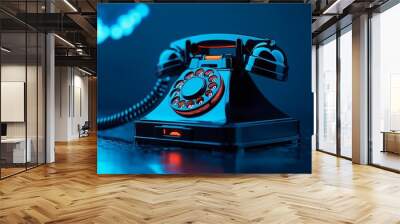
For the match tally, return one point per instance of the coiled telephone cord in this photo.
(139, 109)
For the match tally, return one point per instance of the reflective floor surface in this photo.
(123, 157)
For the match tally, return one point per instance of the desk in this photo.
(15, 148)
(391, 141)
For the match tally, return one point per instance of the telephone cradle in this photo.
(214, 101)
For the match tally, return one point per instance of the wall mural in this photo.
(204, 88)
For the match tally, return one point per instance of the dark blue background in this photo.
(127, 67)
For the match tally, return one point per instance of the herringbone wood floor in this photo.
(69, 191)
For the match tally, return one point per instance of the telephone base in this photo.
(228, 136)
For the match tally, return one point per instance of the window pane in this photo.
(346, 94)
(327, 96)
(385, 84)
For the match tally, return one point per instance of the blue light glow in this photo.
(116, 32)
(156, 168)
(124, 25)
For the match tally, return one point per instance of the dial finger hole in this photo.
(190, 104)
(212, 78)
(199, 100)
(175, 92)
(209, 93)
(189, 75)
(208, 73)
(175, 101)
(181, 104)
(179, 84)
(199, 71)
(212, 85)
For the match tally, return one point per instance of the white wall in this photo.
(71, 102)
(62, 82)
(80, 111)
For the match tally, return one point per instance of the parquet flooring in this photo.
(70, 191)
(10, 171)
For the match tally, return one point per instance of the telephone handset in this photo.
(214, 101)
(259, 56)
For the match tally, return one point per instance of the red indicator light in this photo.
(175, 158)
(171, 132)
(175, 134)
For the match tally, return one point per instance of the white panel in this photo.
(12, 101)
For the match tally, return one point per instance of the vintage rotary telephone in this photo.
(214, 101)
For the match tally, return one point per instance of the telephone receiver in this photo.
(214, 102)
(255, 55)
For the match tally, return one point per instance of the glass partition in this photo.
(14, 151)
(326, 136)
(385, 89)
(22, 63)
(334, 94)
(346, 92)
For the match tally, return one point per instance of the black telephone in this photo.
(214, 101)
